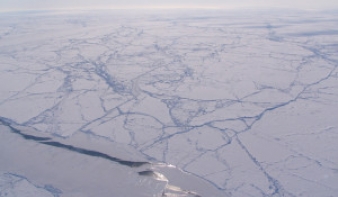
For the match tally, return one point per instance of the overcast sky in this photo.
(70, 4)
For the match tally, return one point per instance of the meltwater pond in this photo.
(169, 103)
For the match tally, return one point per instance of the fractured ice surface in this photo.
(194, 103)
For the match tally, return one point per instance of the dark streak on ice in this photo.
(44, 140)
(95, 154)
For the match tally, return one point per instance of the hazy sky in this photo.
(70, 4)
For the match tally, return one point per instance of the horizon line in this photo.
(164, 8)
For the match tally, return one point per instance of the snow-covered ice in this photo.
(169, 103)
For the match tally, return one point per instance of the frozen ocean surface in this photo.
(162, 103)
